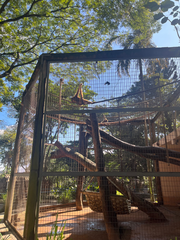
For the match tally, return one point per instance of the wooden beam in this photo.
(151, 210)
(156, 167)
(140, 150)
(136, 120)
(110, 217)
(80, 180)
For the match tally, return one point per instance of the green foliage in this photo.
(166, 11)
(93, 186)
(5, 238)
(7, 140)
(65, 196)
(4, 196)
(63, 190)
(57, 232)
(29, 28)
(118, 193)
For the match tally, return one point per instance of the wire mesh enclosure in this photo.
(97, 148)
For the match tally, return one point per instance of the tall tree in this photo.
(31, 27)
(6, 146)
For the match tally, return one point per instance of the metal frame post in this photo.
(31, 218)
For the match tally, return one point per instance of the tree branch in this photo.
(27, 15)
(8, 72)
(4, 5)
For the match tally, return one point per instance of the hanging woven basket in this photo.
(120, 204)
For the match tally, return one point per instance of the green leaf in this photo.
(175, 15)
(175, 21)
(164, 9)
(167, 4)
(164, 20)
(153, 6)
(175, 8)
(158, 16)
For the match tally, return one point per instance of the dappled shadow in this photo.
(89, 225)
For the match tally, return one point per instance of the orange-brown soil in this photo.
(89, 225)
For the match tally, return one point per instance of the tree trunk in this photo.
(110, 217)
(148, 163)
(142, 204)
(156, 166)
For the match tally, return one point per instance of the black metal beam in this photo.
(145, 53)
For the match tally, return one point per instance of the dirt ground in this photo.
(89, 225)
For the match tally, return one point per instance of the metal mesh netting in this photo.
(105, 84)
(136, 105)
(19, 203)
(111, 88)
(27, 131)
(58, 206)
(24, 159)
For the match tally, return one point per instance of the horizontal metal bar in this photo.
(26, 174)
(110, 110)
(145, 53)
(112, 174)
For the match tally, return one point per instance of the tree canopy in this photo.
(31, 27)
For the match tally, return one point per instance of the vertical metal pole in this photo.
(167, 152)
(120, 150)
(59, 116)
(145, 131)
(175, 129)
(42, 151)
(11, 186)
(36, 159)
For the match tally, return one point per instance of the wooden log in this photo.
(110, 217)
(156, 167)
(151, 210)
(80, 180)
(140, 150)
(136, 121)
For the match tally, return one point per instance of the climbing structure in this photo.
(87, 125)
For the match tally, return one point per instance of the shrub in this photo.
(65, 196)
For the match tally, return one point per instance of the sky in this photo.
(167, 37)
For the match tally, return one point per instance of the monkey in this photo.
(104, 119)
(80, 100)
